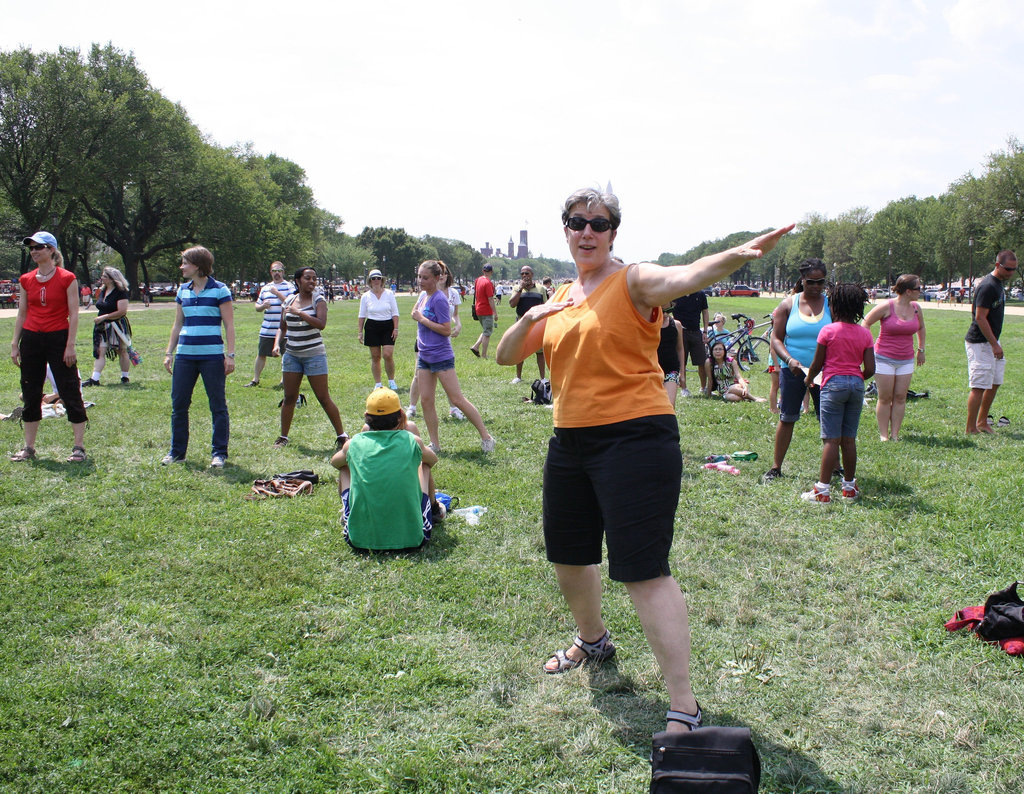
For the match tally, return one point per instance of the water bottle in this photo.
(722, 466)
(744, 455)
(471, 514)
(717, 458)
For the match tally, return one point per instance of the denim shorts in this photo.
(791, 395)
(436, 366)
(314, 365)
(842, 400)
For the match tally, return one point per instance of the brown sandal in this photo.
(77, 455)
(28, 453)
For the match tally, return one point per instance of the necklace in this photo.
(41, 277)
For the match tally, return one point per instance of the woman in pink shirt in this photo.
(900, 318)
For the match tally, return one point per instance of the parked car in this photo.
(741, 291)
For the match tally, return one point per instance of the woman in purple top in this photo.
(436, 361)
(900, 318)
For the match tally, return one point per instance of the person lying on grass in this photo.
(386, 488)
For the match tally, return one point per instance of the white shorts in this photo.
(893, 366)
(983, 369)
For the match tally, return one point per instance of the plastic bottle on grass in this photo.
(471, 514)
(744, 455)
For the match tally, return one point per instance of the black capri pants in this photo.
(619, 482)
(37, 350)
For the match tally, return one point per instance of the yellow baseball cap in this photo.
(382, 402)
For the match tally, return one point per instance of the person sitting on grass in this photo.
(726, 379)
(845, 356)
(385, 483)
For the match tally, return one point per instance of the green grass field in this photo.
(159, 633)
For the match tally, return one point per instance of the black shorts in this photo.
(378, 333)
(619, 482)
(694, 347)
(266, 346)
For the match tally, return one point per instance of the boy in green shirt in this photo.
(385, 482)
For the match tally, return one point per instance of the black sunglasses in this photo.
(818, 281)
(37, 247)
(578, 224)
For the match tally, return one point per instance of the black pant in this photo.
(37, 350)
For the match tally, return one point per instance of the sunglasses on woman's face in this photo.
(37, 247)
(816, 281)
(578, 224)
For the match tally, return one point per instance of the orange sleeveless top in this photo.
(603, 357)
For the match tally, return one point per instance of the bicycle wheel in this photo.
(752, 351)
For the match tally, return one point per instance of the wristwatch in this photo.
(229, 355)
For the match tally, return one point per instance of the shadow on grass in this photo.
(782, 768)
(946, 442)
(70, 471)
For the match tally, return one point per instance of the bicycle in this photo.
(743, 345)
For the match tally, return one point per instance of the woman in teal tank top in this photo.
(797, 321)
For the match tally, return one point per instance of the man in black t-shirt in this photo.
(689, 310)
(985, 361)
(527, 294)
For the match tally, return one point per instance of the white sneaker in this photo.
(487, 445)
(516, 380)
(410, 412)
(684, 393)
(455, 413)
(217, 462)
(434, 448)
(392, 385)
(817, 496)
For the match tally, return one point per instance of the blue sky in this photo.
(471, 119)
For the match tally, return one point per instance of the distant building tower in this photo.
(511, 249)
(487, 250)
(524, 249)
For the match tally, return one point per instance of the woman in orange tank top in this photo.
(613, 468)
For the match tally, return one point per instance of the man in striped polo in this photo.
(269, 301)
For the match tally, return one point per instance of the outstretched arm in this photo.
(652, 285)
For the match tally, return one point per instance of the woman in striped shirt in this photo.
(303, 317)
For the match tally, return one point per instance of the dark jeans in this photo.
(37, 350)
(183, 382)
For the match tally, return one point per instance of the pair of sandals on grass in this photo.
(600, 651)
(29, 453)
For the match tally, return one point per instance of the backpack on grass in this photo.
(541, 392)
(713, 759)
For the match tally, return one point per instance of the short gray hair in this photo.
(592, 199)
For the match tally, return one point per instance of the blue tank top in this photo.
(802, 331)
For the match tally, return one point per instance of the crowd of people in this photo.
(649, 320)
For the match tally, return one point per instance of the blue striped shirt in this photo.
(200, 335)
(272, 315)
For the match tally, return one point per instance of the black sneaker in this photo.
(90, 382)
(772, 474)
(339, 442)
(124, 380)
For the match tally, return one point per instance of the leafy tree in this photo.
(395, 252)
(43, 145)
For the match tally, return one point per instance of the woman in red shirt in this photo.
(44, 333)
